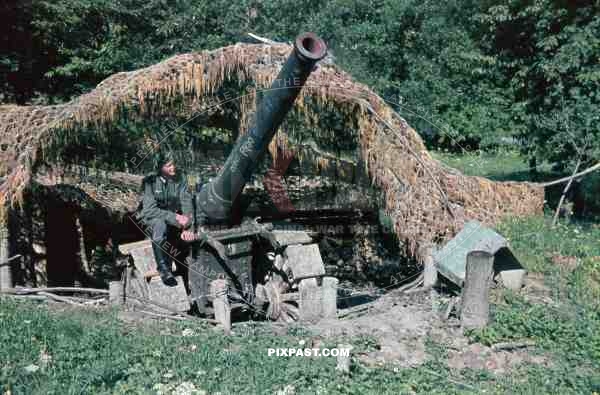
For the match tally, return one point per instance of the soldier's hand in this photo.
(187, 235)
(182, 220)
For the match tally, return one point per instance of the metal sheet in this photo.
(452, 258)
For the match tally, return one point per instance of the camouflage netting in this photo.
(426, 200)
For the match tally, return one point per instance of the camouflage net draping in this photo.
(426, 200)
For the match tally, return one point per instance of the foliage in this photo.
(569, 333)
(465, 74)
(548, 53)
(93, 352)
(536, 241)
(567, 325)
(500, 164)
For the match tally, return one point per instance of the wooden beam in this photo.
(430, 275)
(475, 305)
(5, 270)
(344, 361)
(219, 292)
(116, 292)
(329, 295)
(262, 39)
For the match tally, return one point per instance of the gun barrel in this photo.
(215, 199)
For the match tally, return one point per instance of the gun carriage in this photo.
(252, 267)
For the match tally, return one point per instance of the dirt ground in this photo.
(403, 323)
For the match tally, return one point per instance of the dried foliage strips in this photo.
(427, 201)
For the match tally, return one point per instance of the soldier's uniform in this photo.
(162, 199)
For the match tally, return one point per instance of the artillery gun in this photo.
(251, 267)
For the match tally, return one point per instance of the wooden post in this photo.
(310, 300)
(116, 293)
(219, 292)
(343, 361)
(5, 264)
(564, 193)
(475, 305)
(430, 276)
(329, 295)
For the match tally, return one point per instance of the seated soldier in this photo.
(166, 207)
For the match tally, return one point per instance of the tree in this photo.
(548, 54)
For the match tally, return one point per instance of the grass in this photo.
(96, 352)
(568, 256)
(537, 241)
(568, 328)
(500, 165)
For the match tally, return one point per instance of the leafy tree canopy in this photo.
(465, 73)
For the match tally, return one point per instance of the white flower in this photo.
(287, 390)
(31, 368)
(45, 358)
(186, 388)
(187, 332)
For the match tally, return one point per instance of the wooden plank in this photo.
(430, 274)
(125, 249)
(286, 238)
(136, 287)
(344, 361)
(143, 256)
(451, 259)
(305, 261)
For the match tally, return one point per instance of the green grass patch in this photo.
(568, 328)
(569, 334)
(94, 352)
(536, 241)
(498, 165)
(568, 255)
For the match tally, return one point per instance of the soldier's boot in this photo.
(162, 265)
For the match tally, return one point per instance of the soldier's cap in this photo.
(163, 156)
